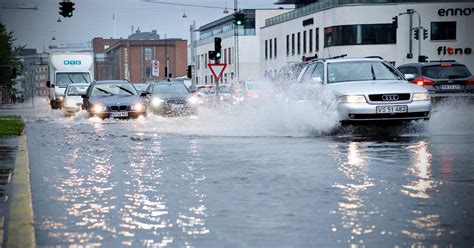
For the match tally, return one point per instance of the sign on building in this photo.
(156, 68)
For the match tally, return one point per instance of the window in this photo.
(271, 46)
(275, 44)
(205, 61)
(148, 53)
(299, 43)
(443, 30)
(359, 35)
(317, 40)
(314, 73)
(304, 41)
(408, 70)
(230, 57)
(288, 45)
(310, 36)
(266, 49)
(225, 55)
(292, 44)
(148, 71)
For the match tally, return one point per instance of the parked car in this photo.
(114, 99)
(73, 99)
(171, 98)
(368, 89)
(442, 79)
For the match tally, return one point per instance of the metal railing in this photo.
(326, 4)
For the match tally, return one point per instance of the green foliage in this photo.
(11, 125)
(8, 57)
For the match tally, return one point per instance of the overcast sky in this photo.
(94, 18)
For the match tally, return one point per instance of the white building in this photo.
(243, 40)
(362, 28)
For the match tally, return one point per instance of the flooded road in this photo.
(251, 180)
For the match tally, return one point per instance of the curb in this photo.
(21, 229)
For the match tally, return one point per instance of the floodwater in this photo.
(258, 177)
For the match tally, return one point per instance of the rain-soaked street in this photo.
(263, 177)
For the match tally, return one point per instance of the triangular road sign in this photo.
(217, 70)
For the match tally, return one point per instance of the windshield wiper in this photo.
(372, 70)
(125, 89)
(106, 92)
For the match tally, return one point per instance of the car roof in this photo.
(110, 81)
(78, 84)
(168, 82)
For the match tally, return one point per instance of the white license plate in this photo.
(118, 114)
(450, 86)
(391, 109)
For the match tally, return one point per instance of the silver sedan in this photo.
(368, 89)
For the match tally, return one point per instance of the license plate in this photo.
(118, 114)
(391, 109)
(450, 86)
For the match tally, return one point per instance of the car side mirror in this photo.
(48, 84)
(143, 93)
(84, 96)
(409, 76)
(317, 80)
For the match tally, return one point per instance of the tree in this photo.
(8, 58)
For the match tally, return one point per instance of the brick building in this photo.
(131, 59)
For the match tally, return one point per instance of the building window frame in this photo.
(448, 32)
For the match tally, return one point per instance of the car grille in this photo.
(389, 116)
(389, 97)
(119, 108)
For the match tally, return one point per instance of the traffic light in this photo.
(422, 58)
(189, 72)
(239, 18)
(66, 9)
(217, 48)
(416, 34)
(395, 22)
(425, 34)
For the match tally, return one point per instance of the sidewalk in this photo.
(16, 212)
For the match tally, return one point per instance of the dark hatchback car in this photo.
(171, 98)
(442, 79)
(114, 99)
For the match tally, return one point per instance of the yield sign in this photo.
(217, 70)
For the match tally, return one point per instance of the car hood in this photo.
(116, 100)
(74, 99)
(374, 87)
(170, 96)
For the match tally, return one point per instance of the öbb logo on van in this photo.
(72, 62)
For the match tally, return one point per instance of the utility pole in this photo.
(192, 30)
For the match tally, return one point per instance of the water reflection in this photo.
(422, 224)
(352, 207)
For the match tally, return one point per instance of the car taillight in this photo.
(470, 81)
(422, 81)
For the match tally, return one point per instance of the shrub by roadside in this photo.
(11, 125)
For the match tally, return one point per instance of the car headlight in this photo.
(352, 99)
(60, 98)
(69, 103)
(98, 108)
(138, 107)
(193, 100)
(421, 96)
(157, 101)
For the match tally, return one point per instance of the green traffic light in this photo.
(239, 22)
(218, 55)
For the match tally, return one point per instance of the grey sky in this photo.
(93, 18)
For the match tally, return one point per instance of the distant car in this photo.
(257, 90)
(441, 79)
(171, 98)
(368, 89)
(73, 99)
(114, 99)
(205, 94)
(225, 94)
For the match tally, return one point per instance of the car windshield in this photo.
(76, 90)
(360, 71)
(110, 89)
(170, 88)
(64, 79)
(446, 71)
(141, 87)
(224, 89)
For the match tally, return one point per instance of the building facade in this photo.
(132, 60)
(240, 47)
(35, 74)
(361, 28)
